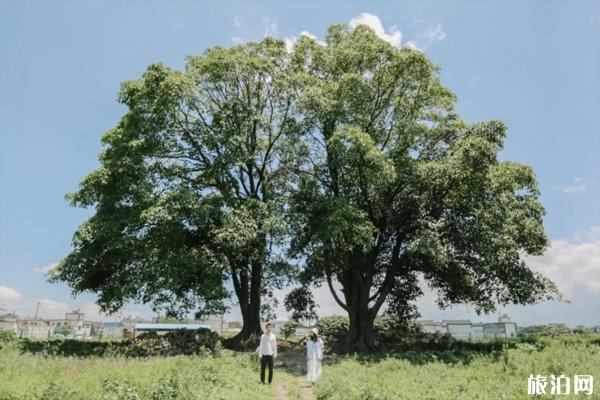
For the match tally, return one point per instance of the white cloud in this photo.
(392, 36)
(572, 262)
(290, 41)
(47, 268)
(427, 38)
(9, 294)
(578, 186)
(595, 18)
(52, 309)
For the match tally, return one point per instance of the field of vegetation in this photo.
(433, 370)
(118, 378)
(463, 373)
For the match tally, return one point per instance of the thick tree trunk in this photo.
(248, 294)
(361, 337)
(356, 288)
(251, 326)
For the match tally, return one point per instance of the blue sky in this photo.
(534, 65)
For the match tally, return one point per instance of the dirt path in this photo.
(290, 378)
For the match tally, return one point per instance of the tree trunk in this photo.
(251, 327)
(361, 337)
(248, 294)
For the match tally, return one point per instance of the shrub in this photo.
(386, 326)
(179, 342)
(289, 328)
(335, 327)
(8, 339)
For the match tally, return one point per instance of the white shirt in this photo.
(268, 345)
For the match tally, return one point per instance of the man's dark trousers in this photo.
(264, 361)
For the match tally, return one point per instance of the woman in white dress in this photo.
(314, 355)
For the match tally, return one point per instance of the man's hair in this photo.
(269, 324)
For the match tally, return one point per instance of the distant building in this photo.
(34, 328)
(503, 328)
(129, 325)
(9, 322)
(477, 331)
(464, 329)
(216, 322)
(430, 326)
(504, 318)
(74, 316)
(56, 324)
(80, 329)
(427, 325)
(161, 329)
(111, 329)
(459, 329)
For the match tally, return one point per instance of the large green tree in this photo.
(190, 192)
(396, 187)
(355, 141)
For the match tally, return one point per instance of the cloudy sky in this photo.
(534, 65)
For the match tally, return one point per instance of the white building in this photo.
(464, 329)
(80, 329)
(459, 329)
(477, 331)
(111, 329)
(34, 328)
(503, 328)
(56, 324)
(9, 322)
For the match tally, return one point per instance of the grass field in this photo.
(411, 374)
(464, 375)
(26, 376)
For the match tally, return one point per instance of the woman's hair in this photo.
(313, 336)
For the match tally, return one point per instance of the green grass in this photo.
(497, 375)
(463, 371)
(27, 376)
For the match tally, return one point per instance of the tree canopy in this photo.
(398, 187)
(341, 163)
(189, 194)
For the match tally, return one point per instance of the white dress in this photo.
(314, 353)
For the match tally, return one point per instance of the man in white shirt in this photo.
(267, 351)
